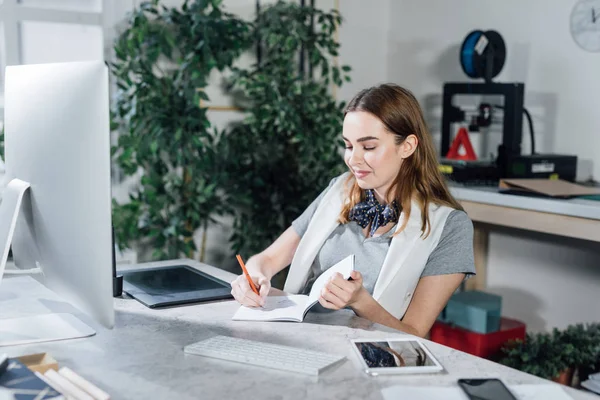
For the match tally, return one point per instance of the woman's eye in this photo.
(369, 148)
(348, 147)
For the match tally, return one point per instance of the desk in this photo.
(575, 218)
(142, 357)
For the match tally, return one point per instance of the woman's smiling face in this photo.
(372, 153)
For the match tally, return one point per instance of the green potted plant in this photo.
(288, 147)
(585, 338)
(571, 354)
(540, 354)
(557, 355)
(163, 59)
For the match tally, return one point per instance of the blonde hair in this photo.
(419, 176)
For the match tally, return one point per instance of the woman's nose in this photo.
(356, 158)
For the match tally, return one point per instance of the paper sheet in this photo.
(344, 267)
(276, 308)
(592, 385)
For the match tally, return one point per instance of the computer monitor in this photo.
(57, 141)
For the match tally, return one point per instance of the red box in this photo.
(485, 345)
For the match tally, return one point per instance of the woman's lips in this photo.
(361, 174)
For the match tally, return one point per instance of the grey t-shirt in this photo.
(453, 253)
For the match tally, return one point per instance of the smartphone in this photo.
(485, 389)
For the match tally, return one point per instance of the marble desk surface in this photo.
(142, 356)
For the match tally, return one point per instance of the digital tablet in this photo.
(395, 356)
(173, 285)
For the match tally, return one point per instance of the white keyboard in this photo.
(264, 354)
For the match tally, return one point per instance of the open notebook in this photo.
(294, 307)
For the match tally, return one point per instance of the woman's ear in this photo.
(408, 147)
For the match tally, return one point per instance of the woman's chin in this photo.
(364, 185)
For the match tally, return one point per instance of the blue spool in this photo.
(467, 52)
(485, 62)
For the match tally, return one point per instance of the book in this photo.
(25, 384)
(294, 308)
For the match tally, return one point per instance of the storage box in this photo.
(473, 310)
(478, 344)
(40, 362)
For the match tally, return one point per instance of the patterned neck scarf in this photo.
(371, 211)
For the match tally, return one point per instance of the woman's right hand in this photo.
(263, 266)
(243, 293)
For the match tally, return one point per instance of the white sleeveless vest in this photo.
(404, 261)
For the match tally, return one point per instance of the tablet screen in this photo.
(172, 280)
(394, 354)
(173, 285)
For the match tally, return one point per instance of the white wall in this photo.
(45, 42)
(546, 281)
(364, 37)
(78, 5)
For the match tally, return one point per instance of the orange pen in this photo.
(254, 289)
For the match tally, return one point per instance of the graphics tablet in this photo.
(173, 285)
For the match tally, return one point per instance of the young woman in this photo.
(413, 243)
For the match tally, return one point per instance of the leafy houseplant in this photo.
(287, 148)
(162, 61)
(557, 355)
(538, 355)
(586, 341)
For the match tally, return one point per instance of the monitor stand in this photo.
(36, 328)
(12, 198)
(42, 328)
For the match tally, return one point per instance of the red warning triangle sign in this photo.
(462, 138)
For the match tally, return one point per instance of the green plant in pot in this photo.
(539, 354)
(557, 355)
(585, 338)
(571, 354)
(593, 331)
(288, 147)
(162, 62)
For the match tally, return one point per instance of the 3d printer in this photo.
(482, 55)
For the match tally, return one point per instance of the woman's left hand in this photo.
(340, 293)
